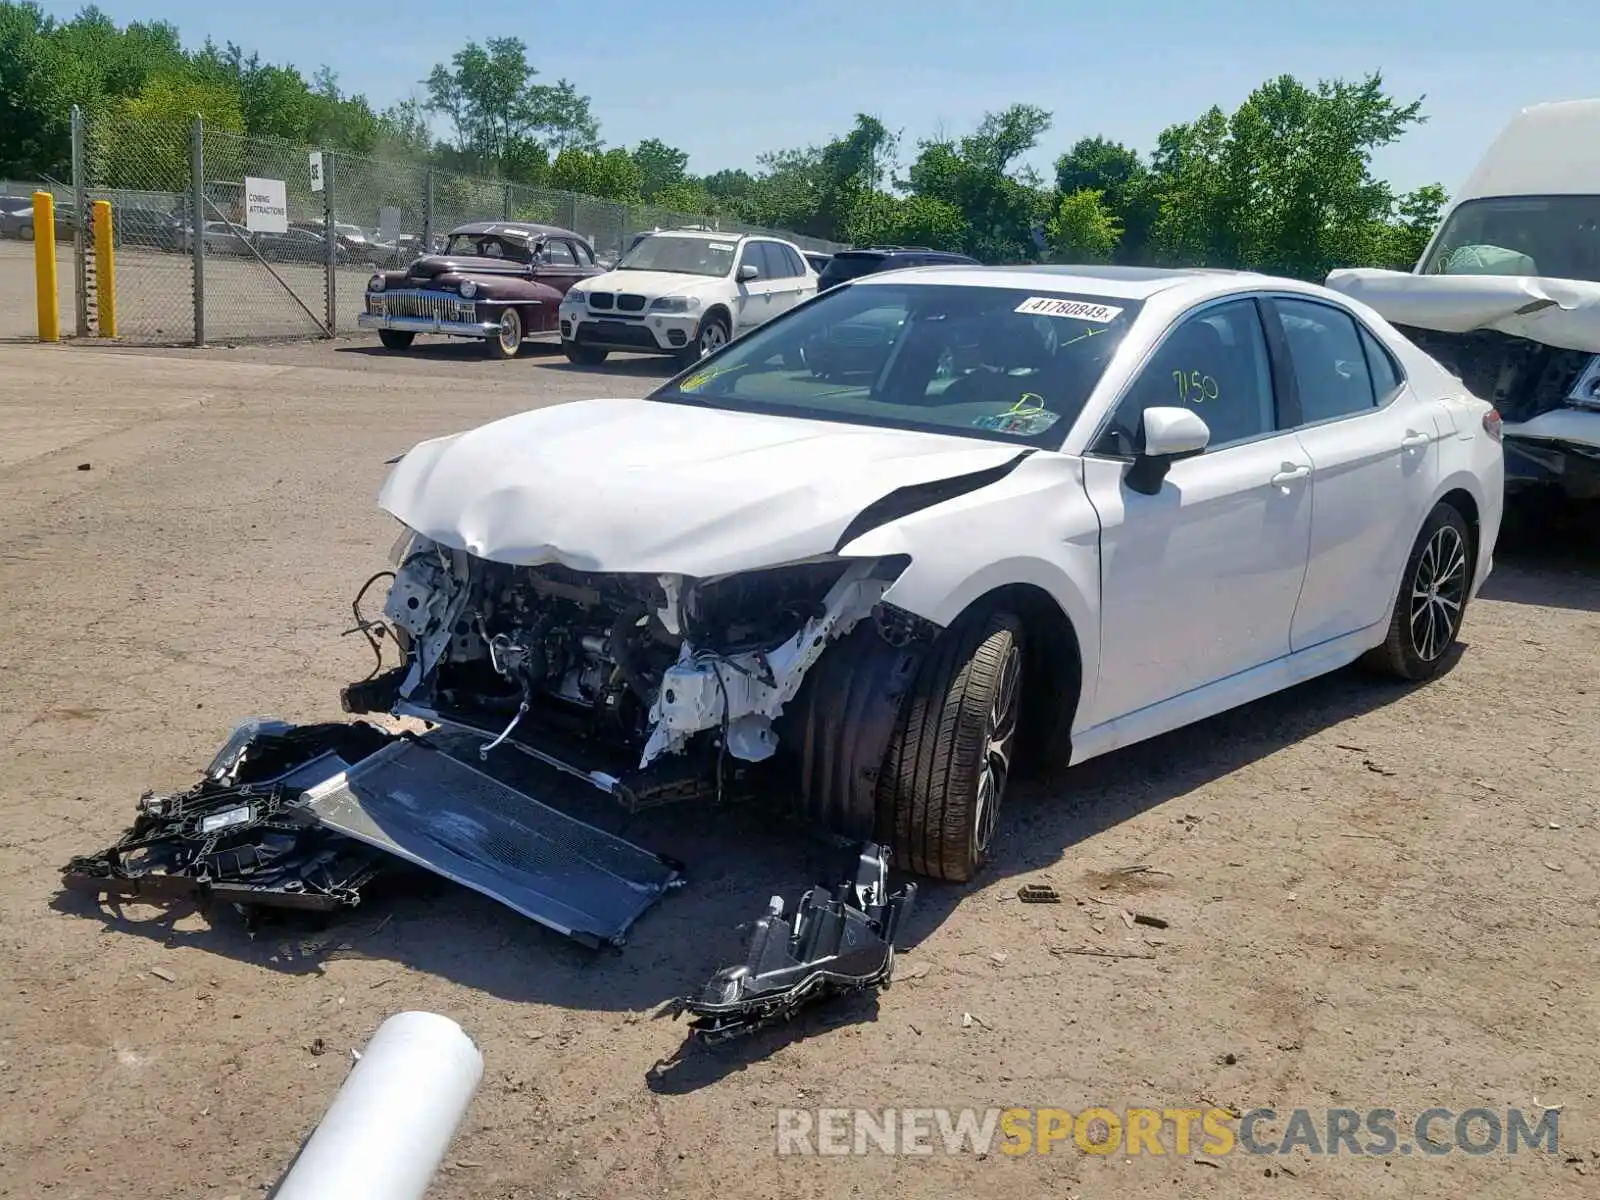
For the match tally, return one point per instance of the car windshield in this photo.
(1005, 364)
(1555, 236)
(681, 255)
(487, 245)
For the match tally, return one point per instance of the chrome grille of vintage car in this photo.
(437, 305)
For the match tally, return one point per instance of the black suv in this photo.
(848, 264)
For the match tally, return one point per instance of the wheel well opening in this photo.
(1052, 678)
(1461, 500)
(721, 311)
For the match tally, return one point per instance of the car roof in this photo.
(526, 230)
(1129, 283)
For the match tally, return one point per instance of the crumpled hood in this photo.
(1557, 312)
(655, 487)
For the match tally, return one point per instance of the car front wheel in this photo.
(507, 340)
(1432, 599)
(712, 336)
(950, 755)
(396, 339)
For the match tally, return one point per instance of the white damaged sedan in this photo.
(1028, 516)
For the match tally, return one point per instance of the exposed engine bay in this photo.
(632, 671)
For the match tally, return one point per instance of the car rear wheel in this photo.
(1432, 599)
(950, 755)
(507, 340)
(584, 356)
(25, 232)
(396, 339)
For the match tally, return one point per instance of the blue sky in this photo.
(727, 79)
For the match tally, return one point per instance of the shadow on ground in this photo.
(1549, 554)
(542, 355)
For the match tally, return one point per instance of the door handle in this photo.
(1414, 440)
(1291, 473)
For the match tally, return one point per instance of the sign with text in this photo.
(266, 205)
(389, 223)
(315, 161)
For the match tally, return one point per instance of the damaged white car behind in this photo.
(1033, 515)
(1507, 295)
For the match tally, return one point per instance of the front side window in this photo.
(681, 255)
(1555, 236)
(999, 363)
(559, 254)
(1330, 365)
(1214, 363)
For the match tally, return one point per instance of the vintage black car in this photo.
(501, 281)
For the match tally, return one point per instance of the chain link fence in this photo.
(196, 265)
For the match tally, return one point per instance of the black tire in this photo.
(507, 341)
(396, 339)
(1432, 599)
(950, 755)
(25, 232)
(584, 356)
(712, 335)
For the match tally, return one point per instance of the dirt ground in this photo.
(1377, 897)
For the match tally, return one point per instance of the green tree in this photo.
(1417, 217)
(607, 174)
(145, 149)
(979, 176)
(660, 166)
(1083, 229)
(495, 108)
(1121, 177)
(1285, 183)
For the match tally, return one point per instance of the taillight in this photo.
(1492, 423)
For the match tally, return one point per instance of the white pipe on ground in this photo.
(387, 1130)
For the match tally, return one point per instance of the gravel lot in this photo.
(1376, 896)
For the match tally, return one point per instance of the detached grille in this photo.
(628, 303)
(600, 299)
(425, 304)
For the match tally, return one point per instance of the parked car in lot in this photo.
(298, 244)
(852, 264)
(1151, 496)
(495, 280)
(1507, 295)
(686, 293)
(18, 222)
(818, 261)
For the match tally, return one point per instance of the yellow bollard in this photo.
(105, 270)
(44, 266)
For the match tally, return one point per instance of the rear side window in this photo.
(797, 265)
(1330, 363)
(1386, 376)
(585, 258)
(851, 266)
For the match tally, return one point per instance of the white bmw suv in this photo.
(684, 293)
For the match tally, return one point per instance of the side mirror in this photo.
(748, 272)
(1170, 434)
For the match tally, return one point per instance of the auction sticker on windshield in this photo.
(1081, 310)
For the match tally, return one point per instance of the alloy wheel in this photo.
(712, 338)
(1438, 592)
(999, 733)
